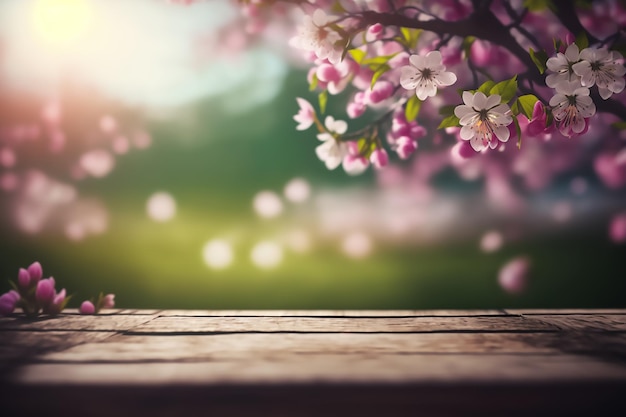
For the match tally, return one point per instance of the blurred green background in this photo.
(213, 162)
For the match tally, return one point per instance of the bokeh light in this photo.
(267, 204)
(357, 245)
(218, 254)
(297, 190)
(161, 207)
(266, 255)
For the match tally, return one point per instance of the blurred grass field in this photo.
(213, 163)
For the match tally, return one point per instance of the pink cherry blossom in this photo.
(425, 75)
(305, 116)
(483, 118)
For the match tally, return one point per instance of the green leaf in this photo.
(486, 87)
(412, 108)
(526, 105)
(539, 58)
(12, 284)
(450, 121)
(380, 71)
(323, 100)
(506, 89)
(410, 36)
(518, 130)
(375, 62)
(366, 146)
(581, 41)
(619, 125)
(314, 82)
(357, 55)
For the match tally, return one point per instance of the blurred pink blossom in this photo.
(513, 276)
(617, 228)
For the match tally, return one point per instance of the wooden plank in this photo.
(586, 322)
(332, 368)
(123, 348)
(26, 345)
(173, 324)
(565, 311)
(330, 313)
(100, 322)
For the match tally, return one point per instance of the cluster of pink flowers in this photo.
(37, 295)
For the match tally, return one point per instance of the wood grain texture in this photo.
(124, 348)
(102, 322)
(193, 324)
(331, 313)
(586, 322)
(332, 368)
(309, 363)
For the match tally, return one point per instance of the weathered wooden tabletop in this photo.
(293, 363)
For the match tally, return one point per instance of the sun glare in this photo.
(61, 22)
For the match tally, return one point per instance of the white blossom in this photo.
(602, 68)
(562, 66)
(571, 105)
(314, 35)
(481, 118)
(425, 74)
(332, 151)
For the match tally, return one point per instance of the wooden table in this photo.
(302, 363)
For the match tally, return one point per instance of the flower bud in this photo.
(23, 278)
(379, 158)
(45, 291)
(87, 307)
(108, 301)
(405, 147)
(35, 271)
(8, 301)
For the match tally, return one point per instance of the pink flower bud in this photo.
(355, 164)
(381, 91)
(108, 301)
(328, 73)
(87, 307)
(35, 271)
(379, 158)
(355, 110)
(45, 291)
(463, 150)
(8, 302)
(405, 146)
(23, 278)
(375, 32)
(56, 306)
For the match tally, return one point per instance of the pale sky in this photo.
(139, 51)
